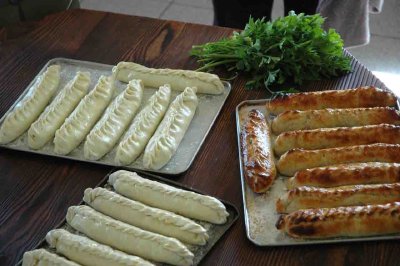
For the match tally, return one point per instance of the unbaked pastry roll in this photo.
(299, 159)
(41, 257)
(169, 198)
(81, 120)
(367, 96)
(346, 174)
(178, 79)
(169, 134)
(88, 252)
(31, 105)
(143, 127)
(44, 128)
(128, 238)
(314, 197)
(114, 122)
(328, 118)
(145, 217)
(342, 221)
(336, 137)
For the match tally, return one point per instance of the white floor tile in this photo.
(189, 14)
(387, 23)
(146, 8)
(381, 54)
(196, 3)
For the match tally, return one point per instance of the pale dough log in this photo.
(32, 104)
(342, 221)
(44, 128)
(81, 120)
(298, 159)
(88, 252)
(367, 96)
(166, 197)
(178, 79)
(108, 130)
(169, 134)
(328, 118)
(143, 127)
(41, 257)
(145, 217)
(346, 174)
(314, 197)
(336, 137)
(128, 238)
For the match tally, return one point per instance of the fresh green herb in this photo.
(294, 48)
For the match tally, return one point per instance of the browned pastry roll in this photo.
(258, 162)
(314, 197)
(336, 137)
(346, 174)
(342, 221)
(328, 118)
(299, 159)
(351, 98)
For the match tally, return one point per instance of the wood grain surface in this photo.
(35, 191)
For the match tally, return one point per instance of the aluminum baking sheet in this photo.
(206, 113)
(215, 231)
(260, 215)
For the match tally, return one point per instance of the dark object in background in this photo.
(235, 13)
(12, 11)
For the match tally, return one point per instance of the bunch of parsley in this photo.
(294, 48)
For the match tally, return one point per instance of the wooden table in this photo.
(35, 190)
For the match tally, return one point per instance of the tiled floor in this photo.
(382, 55)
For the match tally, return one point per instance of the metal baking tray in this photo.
(215, 231)
(260, 215)
(206, 113)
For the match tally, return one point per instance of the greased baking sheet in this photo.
(260, 214)
(206, 113)
(214, 231)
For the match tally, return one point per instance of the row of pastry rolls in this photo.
(75, 116)
(344, 163)
(141, 219)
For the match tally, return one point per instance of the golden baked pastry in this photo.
(346, 174)
(342, 221)
(367, 96)
(299, 159)
(258, 162)
(336, 137)
(314, 197)
(328, 118)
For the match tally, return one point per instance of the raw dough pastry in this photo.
(368, 96)
(30, 107)
(328, 118)
(166, 197)
(41, 257)
(258, 160)
(128, 238)
(169, 134)
(143, 127)
(148, 218)
(44, 128)
(346, 174)
(85, 115)
(114, 122)
(299, 159)
(178, 79)
(342, 221)
(336, 137)
(88, 252)
(314, 197)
